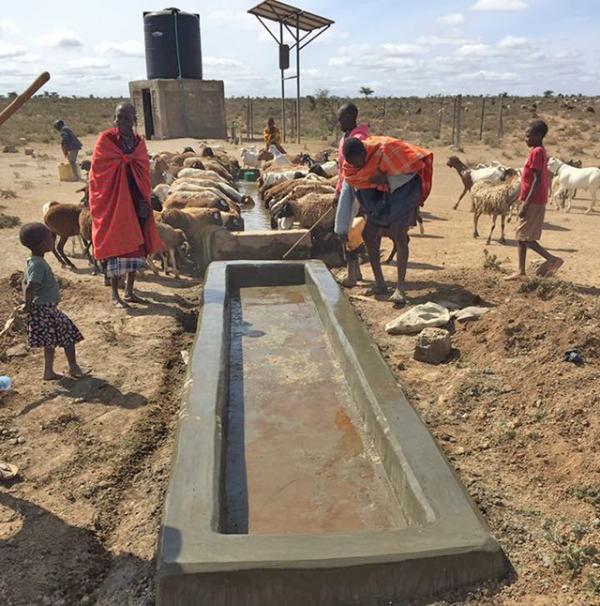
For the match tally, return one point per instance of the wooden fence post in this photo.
(482, 119)
(385, 115)
(454, 122)
(248, 119)
(500, 133)
(441, 114)
(458, 119)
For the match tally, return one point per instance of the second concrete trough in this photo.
(302, 476)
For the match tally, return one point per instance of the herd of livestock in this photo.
(195, 193)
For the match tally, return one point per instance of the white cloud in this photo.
(500, 5)
(489, 75)
(330, 35)
(89, 63)
(403, 50)
(11, 50)
(433, 40)
(8, 27)
(221, 62)
(475, 50)
(516, 43)
(452, 19)
(61, 38)
(128, 48)
(231, 19)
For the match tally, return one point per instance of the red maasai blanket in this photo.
(391, 157)
(116, 230)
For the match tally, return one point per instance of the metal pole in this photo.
(482, 118)
(282, 87)
(297, 78)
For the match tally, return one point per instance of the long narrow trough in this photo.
(302, 476)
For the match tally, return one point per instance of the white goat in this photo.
(249, 157)
(470, 176)
(330, 168)
(571, 179)
(279, 159)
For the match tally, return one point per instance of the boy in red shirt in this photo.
(534, 196)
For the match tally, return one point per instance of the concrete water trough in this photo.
(302, 476)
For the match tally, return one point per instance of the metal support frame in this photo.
(301, 41)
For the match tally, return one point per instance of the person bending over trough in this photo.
(391, 179)
(123, 229)
(346, 203)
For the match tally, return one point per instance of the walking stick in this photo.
(296, 244)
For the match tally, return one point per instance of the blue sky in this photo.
(397, 48)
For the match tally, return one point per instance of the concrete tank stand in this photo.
(444, 543)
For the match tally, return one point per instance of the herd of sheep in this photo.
(195, 193)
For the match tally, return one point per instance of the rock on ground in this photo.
(433, 345)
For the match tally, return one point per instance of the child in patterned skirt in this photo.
(47, 327)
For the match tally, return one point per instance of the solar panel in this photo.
(273, 10)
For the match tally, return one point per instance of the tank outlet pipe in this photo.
(175, 11)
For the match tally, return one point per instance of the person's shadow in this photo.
(51, 560)
(90, 390)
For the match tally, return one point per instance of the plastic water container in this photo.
(65, 172)
(251, 176)
(5, 383)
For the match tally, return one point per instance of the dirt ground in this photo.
(518, 423)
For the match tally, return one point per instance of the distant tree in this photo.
(548, 94)
(12, 95)
(327, 108)
(312, 102)
(366, 91)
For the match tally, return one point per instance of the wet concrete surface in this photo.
(297, 460)
(257, 218)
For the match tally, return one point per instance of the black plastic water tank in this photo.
(163, 32)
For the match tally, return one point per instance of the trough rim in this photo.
(453, 525)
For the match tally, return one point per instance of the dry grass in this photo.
(8, 221)
(412, 118)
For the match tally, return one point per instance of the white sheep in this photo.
(330, 168)
(199, 173)
(571, 179)
(269, 179)
(198, 184)
(495, 199)
(161, 191)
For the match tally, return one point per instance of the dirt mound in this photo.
(519, 423)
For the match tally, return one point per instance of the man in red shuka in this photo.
(535, 184)
(123, 228)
